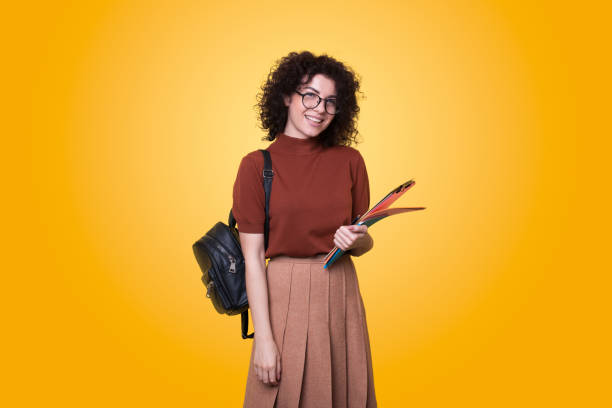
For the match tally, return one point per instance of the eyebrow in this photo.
(310, 87)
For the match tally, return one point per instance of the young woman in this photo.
(311, 346)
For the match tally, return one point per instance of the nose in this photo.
(320, 108)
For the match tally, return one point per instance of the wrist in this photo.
(263, 337)
(363, 246)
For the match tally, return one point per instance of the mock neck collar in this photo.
(284, 143)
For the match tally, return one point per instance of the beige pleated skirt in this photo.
(319, 325)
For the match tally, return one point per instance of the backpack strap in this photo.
(268, 175)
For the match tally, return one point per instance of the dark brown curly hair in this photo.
(284, 78)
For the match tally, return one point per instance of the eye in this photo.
(311, 99)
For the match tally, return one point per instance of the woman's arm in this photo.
(256, 283)
(353, 239)
(363, 245)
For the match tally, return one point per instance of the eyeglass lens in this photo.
(311, 101)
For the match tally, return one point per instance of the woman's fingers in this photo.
(278, 368)
(358, 229)
(343, 245)
(345, 238)
(271, 376)
(346, 234)
(341, 241)
(266, 377)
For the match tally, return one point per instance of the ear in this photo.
(287, 99)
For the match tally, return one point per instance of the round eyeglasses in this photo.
(311, 100)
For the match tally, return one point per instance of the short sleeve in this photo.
(360, 190)
(248, 205)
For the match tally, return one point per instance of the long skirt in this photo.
(319, 326)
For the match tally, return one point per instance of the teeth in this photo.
(314, 120)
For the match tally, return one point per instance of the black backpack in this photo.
(221, 260)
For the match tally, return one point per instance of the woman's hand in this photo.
(267, 361)
(351, 236)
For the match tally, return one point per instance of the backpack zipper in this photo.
(232, 260)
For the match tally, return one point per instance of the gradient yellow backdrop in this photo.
(124, 125)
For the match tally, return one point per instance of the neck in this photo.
(295, 145)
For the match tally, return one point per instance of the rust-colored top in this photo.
(315, 190)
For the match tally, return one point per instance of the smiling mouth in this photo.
(314, 120)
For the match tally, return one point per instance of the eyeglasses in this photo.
(311, 100)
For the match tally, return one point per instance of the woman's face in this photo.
(306, 122)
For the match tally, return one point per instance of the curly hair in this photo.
(285, 76)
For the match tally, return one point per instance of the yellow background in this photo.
(124, 123)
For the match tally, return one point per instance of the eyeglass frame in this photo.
(318, 103)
